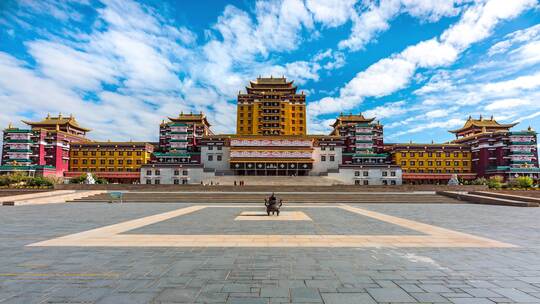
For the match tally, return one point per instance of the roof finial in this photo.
(71, 116)
(491, 117)
(481, 118)
(432, 141)
(470, 117)
(59, 115)
(530, 129)
(10, 126)
(48, 115)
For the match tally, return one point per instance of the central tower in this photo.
(271, 106)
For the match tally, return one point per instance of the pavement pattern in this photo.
(496, 259)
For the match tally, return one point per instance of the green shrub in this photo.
(479, 181)
(82, 179)
(495, 182)
(40, 182)
(78, 180)
(100, 180)
(524, 182)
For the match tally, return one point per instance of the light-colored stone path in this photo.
(262, 216)
(111, 236)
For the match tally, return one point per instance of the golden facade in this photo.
(432, 158)
(271, 107)
(109, 156)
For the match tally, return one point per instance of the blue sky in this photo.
(420, 66)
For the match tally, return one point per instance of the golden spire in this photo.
(48, 115)
(10, 126)
(59, 115)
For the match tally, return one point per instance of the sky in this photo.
(120, 67)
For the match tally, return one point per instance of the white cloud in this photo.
(430, 53)
(478, 21)
(376, 16)
(517, 37)
(507, 104)
(368, 24)
(331, 13)
(526, 82)
(391, 74)
(447, 124)
(388, 110)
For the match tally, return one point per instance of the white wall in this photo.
(374, 175)
(215, 164)
(167, 176)
(320, 166)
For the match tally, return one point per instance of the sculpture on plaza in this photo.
(273, 204)
(89, 179)
(453, 180)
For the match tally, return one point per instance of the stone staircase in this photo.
(492, 198)
(258, 197)
(228, 180)
(50, 197)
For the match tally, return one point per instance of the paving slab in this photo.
(272, 274)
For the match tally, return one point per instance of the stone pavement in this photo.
(506, 270)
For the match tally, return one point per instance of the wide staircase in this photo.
(258, 197)
(493, 198)
(228, 180)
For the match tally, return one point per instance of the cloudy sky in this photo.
(420, 66)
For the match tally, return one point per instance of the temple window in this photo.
(323, 158)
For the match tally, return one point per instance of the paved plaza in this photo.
(315, 253)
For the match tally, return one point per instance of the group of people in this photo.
(239, 183)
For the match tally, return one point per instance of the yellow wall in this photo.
(107, 159)
(247, 118)
(421, 161)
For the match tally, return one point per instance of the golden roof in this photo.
(57, 121)
(483, 124)
(190, 117)
(271, 81)
(351, 118)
